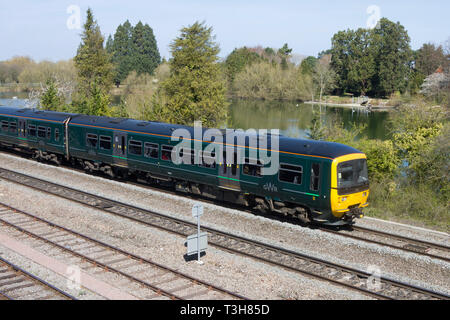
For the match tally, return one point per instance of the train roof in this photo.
(290, 145)
(35, 113)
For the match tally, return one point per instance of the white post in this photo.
(198, 238)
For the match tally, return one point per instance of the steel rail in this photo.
(34, 279)
(141, 215)
(115, 249)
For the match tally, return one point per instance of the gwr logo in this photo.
(270, 187)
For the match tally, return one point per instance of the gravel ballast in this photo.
(396, 264)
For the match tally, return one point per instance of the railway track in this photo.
(425, 248)
(429, 249)
(158, 280)
(18, 284)
(378, 287)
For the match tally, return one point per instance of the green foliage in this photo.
(413, 204)
(432, 165)
(145, 53)
(264, 80)
(393, 57)
(94, 70)
(333, 129)
(50, 99)
(409, 174)
(307, 66)
(376, 61)
(414, 127)
(429, 58)
(238, 60)
(96, 103)
(195, 89)
(10, 70)
(137, 96)
(92, 61)
(120, 48)
(382, 158)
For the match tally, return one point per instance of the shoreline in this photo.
(351, 105)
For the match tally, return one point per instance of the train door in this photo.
(229, 171)
(22, 128)
(120, 148)
(314, 185)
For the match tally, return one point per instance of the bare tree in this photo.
(324, 76)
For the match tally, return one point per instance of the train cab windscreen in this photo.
(352, 176)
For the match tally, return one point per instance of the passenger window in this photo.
(5, 126)
(208, 160)
(105, 143)
(32, 130)
(166, 153)
(187, 156)
(41, 132)
(13, 127)
(91, 140)
(151, 150)
(49, 133)
(56, 134)
(290, 173)
(315, 176)
(135, 147)
(252, 167)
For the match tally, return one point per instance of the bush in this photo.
(417, 204)
(382, 159)
(264, 80)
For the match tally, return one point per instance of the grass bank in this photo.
(414, 205)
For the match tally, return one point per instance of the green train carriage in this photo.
(315, 181)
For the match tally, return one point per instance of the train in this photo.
(314, 181)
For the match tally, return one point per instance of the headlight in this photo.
(343, 199)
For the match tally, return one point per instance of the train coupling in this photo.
(353, 214)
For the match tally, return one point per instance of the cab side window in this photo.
(315, 176)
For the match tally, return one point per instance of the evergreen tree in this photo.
(238, 60)
(194, 90)
(94, 68)
(122, 51)
(284, 52)
(393, 57)
(376, 61)
(133, 48)
(50, 99)
(146, 55)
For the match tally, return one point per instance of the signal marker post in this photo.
(197, 242)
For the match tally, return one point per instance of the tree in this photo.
(285, 53)
(51, 99)
(307, 66)
(324, 75)
(145, 51)
(92, 62)
(238, 60)
(133, 48)
(121, 50)
(376, 61)
(429, 58)
(194, 90)
(393, 57)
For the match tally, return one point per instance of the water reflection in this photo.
(293, 119)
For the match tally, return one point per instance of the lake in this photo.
(291, 118)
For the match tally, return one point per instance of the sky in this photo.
(47, 29)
